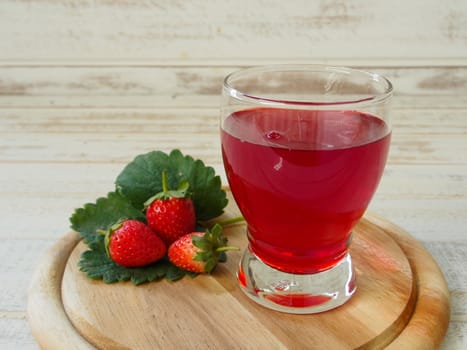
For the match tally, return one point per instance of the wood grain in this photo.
(45, 308)
(395, 275)
(169, 31)
(422, 331)
(162, 86)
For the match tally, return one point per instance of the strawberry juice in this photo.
(302, 179)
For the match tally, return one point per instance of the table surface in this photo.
(86, 86)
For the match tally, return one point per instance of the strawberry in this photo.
(131, 243)
(171, 214)
(199, 251)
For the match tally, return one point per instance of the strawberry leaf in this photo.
(97, 265)
(142, 178)
(101, 215)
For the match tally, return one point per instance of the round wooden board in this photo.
(402, 302)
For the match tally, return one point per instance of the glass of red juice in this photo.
(304, 148)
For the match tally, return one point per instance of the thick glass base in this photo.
(296, 293)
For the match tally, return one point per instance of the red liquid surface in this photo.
(302, 180)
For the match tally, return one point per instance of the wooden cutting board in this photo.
(402, 302)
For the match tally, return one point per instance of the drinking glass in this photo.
(304, 148)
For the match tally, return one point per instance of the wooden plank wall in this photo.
(169, 32)
(91, 70)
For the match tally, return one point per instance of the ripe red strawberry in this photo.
(199, 251)
(170, 213)
(131, 243)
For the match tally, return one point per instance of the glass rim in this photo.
(369, 98)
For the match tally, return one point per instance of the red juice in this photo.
(302, 179)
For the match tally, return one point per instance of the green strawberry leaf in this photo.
(103, 214)
(97, 265)
(142, 178)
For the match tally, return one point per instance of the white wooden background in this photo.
(87, 85)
